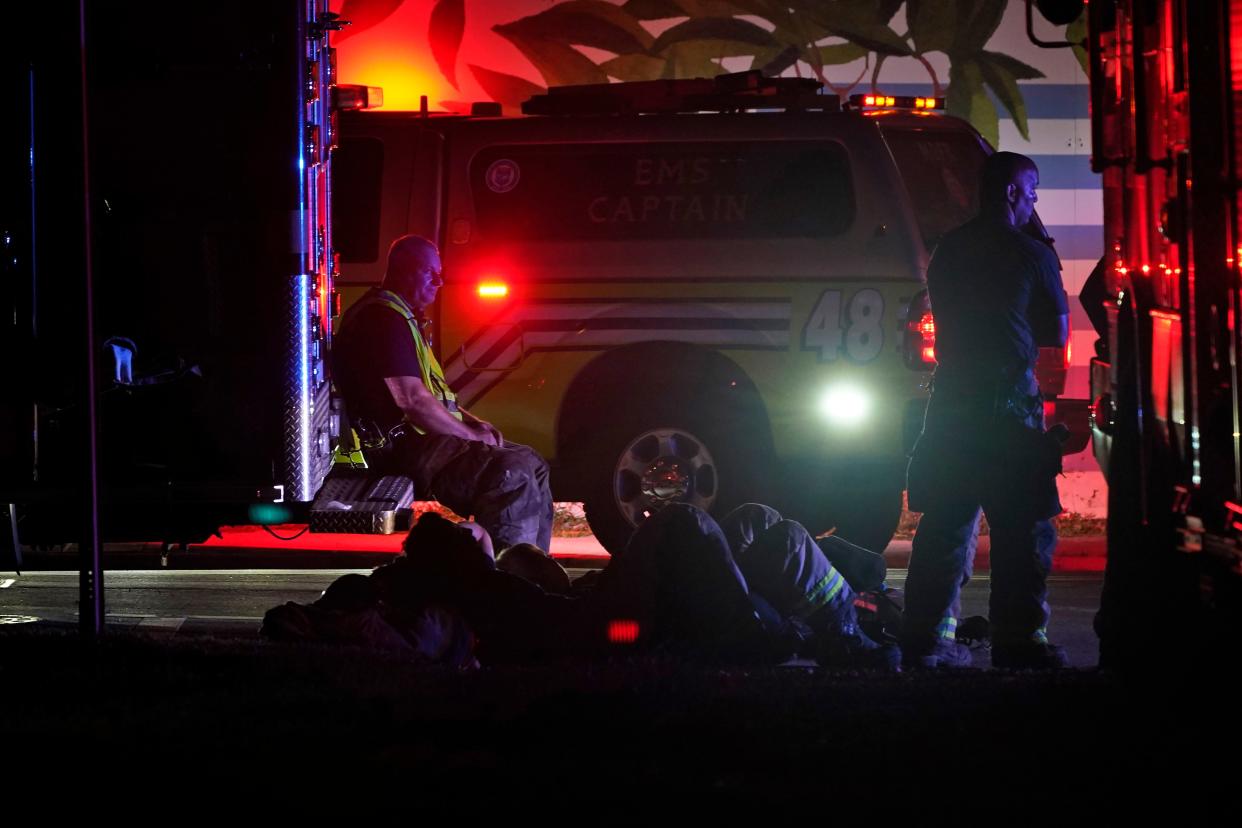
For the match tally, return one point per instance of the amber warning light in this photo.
(895, 102)
(351, 96)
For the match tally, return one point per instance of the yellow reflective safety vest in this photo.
(433, 374)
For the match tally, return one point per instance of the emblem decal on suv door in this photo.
(503, 175)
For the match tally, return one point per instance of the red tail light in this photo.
(920, 338)
(927, 332)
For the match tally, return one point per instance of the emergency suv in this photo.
(706, 290)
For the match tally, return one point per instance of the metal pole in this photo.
(34, 214)
(90, 582)
(34, 275)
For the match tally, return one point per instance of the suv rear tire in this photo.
(642, 462)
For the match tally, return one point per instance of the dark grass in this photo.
(325, 722)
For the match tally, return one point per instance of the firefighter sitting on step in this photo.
(408, 419)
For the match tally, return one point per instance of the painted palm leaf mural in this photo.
(845, 44)
(975, 53)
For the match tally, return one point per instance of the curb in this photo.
(1079, 554)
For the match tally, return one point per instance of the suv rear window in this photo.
(941, 170)
(669, 190)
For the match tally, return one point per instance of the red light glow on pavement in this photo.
(293, 539)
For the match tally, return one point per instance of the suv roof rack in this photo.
(734, 92)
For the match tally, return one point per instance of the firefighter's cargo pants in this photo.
(504, 488)
(969, 461)
(785, 566)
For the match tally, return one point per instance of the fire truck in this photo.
(192, 234)
(703, 290)
(1166, 84)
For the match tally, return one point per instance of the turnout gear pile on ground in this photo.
(677, 589)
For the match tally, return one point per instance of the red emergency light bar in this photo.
(1122, 269)
(493, 290)
(895, 102)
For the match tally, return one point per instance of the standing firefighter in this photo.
(997, 297)
(409, 420)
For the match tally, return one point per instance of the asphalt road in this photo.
(232, 602)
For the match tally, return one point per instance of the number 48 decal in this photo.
(860, 330)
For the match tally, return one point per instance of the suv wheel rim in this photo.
(663, 466)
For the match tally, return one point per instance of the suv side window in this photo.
(671, 190)
(941, 170)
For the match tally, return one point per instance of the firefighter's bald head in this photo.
(414, 270)
(1007, 187)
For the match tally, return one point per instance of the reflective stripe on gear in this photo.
(821, 594)
(947, 628)
(433, 374)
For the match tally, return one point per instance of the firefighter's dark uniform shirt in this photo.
(377, 344)
(995, 294)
